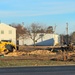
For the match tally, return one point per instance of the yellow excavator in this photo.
(6, 46)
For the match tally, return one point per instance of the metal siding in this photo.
(47, 40)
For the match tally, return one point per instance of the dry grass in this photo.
(30, 56)
(14, 63)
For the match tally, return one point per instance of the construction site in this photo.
(56, 53)
(44, 47)
(27, 52)
(13, 55)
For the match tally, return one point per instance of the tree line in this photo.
(67, 39)
(23, 32)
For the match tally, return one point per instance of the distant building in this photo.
(7, 32)
(44, 39)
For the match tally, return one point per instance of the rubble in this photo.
(36, 52)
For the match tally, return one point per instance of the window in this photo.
(10, 31)
(2, 31)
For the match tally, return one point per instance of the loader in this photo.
(6, 46)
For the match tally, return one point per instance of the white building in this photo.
(43, 40)
(7, 32)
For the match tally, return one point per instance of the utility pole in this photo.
(67, 33)
(67, 28)
(54, 28)
(65, 54)
(54, 33)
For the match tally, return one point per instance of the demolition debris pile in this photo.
(36, 52)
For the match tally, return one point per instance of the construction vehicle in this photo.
(6, 46)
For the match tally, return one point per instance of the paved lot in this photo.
(43, 70)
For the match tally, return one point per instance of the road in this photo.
(40, 70)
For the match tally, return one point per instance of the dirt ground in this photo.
(40, 52)
(31, 50)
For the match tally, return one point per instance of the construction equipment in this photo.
(6, 46)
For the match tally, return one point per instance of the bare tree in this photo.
(49, 29)
(73, 37)
(34, 29)
(20, 31)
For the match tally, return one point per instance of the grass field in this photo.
(14, 63)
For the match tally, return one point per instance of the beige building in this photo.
(7, 32)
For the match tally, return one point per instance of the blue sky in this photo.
(46, 12)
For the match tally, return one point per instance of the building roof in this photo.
(3, 25)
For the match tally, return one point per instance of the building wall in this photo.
(7, 32)
(46, 39)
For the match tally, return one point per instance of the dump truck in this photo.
(6, 46)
